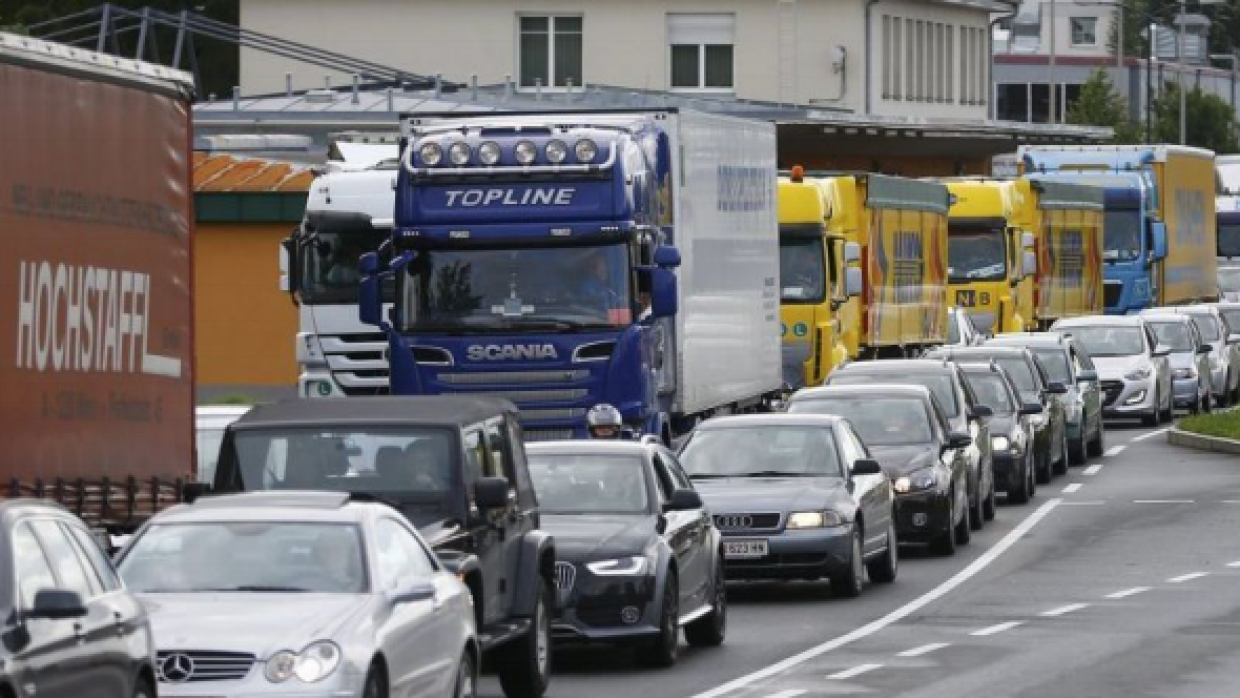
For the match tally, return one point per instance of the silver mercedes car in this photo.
(300, 594)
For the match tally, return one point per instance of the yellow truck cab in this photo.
(990, 260)
(813, 281)
(1067, 222)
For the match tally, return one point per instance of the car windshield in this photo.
(1229, 240)
(329, 257)
(1055, 361)
(1229, 279)
(589, 484)
(756, 451)
(1105, 342)
(1121, 238)
(408, 464)
(975, 253)
(879, 421)
(991, 391)
(801, 271)
(1207, 326)
(246, 556)
(938, 383)
(535, 289)
(1173, 334)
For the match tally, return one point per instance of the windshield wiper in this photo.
(261, 588)
(779, 473)
(710, 476)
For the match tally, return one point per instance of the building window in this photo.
(948, 72)
(887, 56)
(1084, 31)
(702, 51)
(896, 56)
(550, 51)
(910, 64)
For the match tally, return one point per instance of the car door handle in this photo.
(119, 620)
(79, 633)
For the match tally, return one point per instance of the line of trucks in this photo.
(654, 260)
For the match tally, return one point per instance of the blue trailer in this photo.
(566, 259)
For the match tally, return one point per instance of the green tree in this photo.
(1100, 105)
(1209, 118)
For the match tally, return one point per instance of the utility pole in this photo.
(1050, 71)
(1183, 66)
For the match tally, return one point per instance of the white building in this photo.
(924, 58)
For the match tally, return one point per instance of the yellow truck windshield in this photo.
(801, 271)
(975, 253)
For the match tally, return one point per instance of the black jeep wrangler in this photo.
(455, 466)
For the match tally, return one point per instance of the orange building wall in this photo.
(244, 324)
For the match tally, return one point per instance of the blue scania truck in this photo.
(567, 259)
(1159, 236)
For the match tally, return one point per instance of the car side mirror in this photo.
(1161, 350)
(419, 591)
(57, 604)
(1205, 349)
(1056, 388)
(491, 493)
(192, 491)
(866, 466)
(959, 439)
(684, 500)
(981, 412)
(1087, 376)
(1030, 408)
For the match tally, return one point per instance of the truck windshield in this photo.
(409, 465)
(801, 270)
(1122, 235)
(1103, 342)
(329, 272)
(539, 289)
(1233, 320)
(1229, 240)
(1229, 279)
(975, 253)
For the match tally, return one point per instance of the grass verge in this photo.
(1224, 424)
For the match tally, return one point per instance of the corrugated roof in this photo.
(229, 173)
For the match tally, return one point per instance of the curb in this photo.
(1214, 444)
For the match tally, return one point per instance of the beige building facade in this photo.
(924, 58)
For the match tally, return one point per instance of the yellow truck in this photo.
(1066, 220)
(878, 246)
(990, 260)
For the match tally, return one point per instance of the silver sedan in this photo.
(300, 594)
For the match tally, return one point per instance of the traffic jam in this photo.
(634, 374)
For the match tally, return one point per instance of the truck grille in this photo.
(529, 396)
(1111, 391)
(747, 522)
(554, 413)
(1111, 291)
(514, 377)
(186, 666)
(357, 362)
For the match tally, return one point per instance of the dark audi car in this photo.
(1011, 429)
(906, 431)
(637, 555)
(68, 627)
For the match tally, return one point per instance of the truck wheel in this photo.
(525, 664)
(710, 629)
(661, 651)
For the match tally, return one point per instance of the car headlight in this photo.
(585, 150)
(923, 479)
(431, 154)
(313, 664)
(1139, 374)
(488, 153)
(813, 519)
(526, 152)
(618, 567)
(1000, 443)
(1183, 373)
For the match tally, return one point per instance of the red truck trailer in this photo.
(96, 351)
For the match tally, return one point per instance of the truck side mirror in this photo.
(1028, 263)
(1026, 240)
(370, 297)
(290, 264)
(1158, 240)
(852, 253)
(667, 257)
(852, 282)
(663, 297)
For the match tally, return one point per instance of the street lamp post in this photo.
(1050, 70)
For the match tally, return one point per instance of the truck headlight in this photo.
(459, 153)
(585, 150)
(430, 154)
(1138, 374)
(556, 152)
(619, 567)
(1183, 373)
(488, 153)
(526, 152)
(813, 519)
(915, 481)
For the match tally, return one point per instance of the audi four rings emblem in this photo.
(176, 668)
(734, 521)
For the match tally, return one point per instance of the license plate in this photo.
(745, 548)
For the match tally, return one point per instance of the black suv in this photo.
(964, 415)
(68, 628)
(456, 468)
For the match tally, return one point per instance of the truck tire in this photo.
(525, 664)
(710, 629)
(661, 650)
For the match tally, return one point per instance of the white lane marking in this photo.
(1152, 434)
(1234, 564)
(924, 649)
(1128, 592)
(1187, 577)
(996, 629)
(1064, 610)
(1162, 501)
(1085, 502)
(1072, 488)
(1093, 469)
(855, 671)
(1231, 501)
(790, 693)
(897, 615)
(1114, 450)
